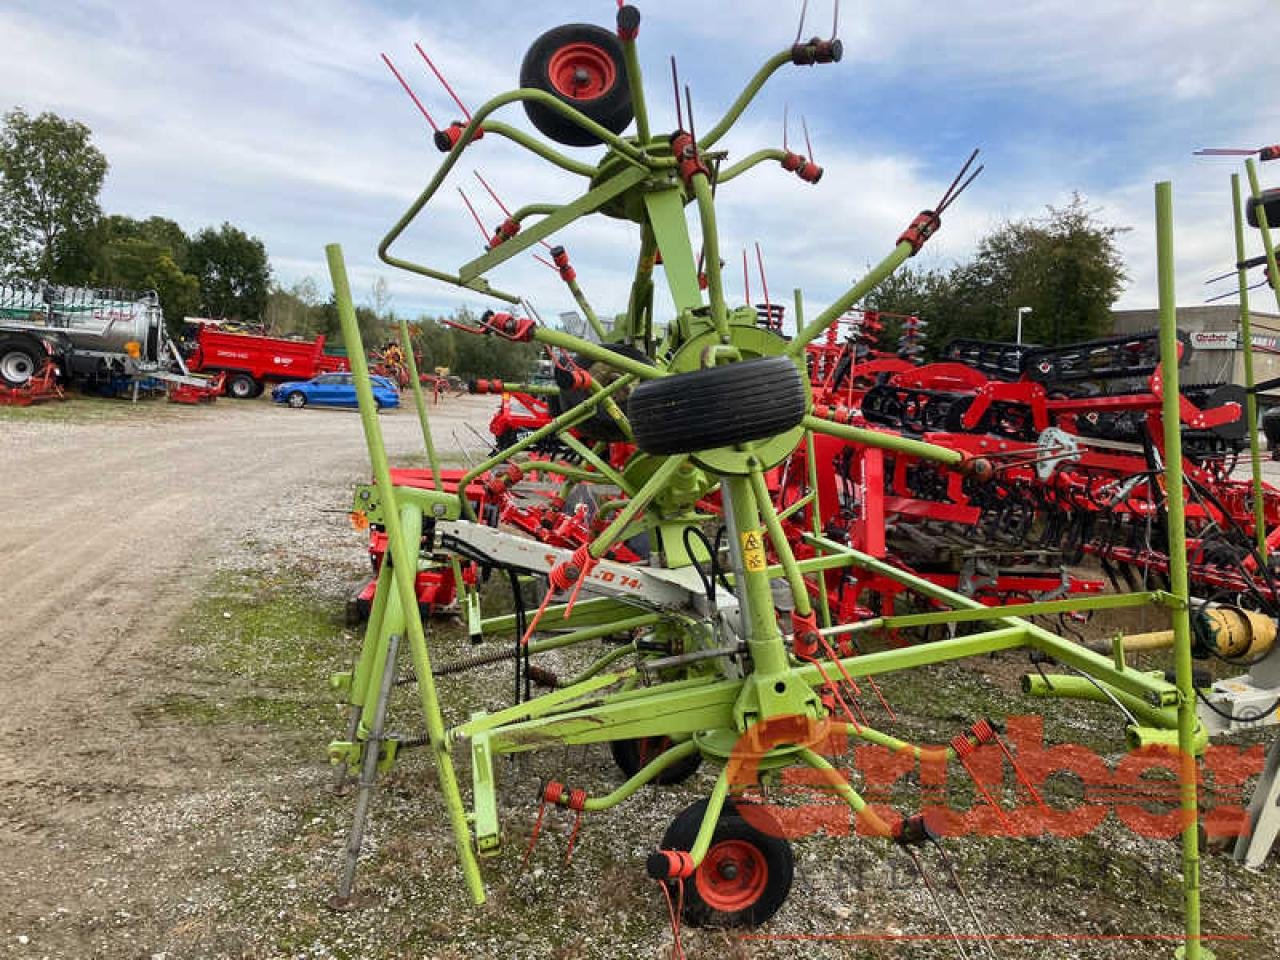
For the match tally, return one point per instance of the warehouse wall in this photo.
(1208, 365)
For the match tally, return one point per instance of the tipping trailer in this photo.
(251, 361)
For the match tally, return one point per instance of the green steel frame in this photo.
(710, 711)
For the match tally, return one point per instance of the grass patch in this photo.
(263, 649)
(79, 408)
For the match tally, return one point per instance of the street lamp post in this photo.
(1022, 311)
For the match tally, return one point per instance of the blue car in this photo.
(334, 390)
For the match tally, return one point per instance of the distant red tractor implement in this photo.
(250, 361)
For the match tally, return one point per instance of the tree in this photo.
(1064, 265)
(135, 264)
(233, 272)
(50, 177)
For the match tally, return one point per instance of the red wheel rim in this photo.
(582, 71)
(733, 876)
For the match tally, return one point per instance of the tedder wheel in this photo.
(19, 361)
(297, 400)
(599, 426)
(744, 878)
(581, 65)
(241, 386)
(1270, 203)
(631, 755)
(717, 407)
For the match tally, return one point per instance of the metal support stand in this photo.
(343, 899)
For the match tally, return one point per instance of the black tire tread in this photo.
(717, 407)
(612, 110)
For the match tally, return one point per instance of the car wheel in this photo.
(297, 400)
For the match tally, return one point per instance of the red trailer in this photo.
(251, 361)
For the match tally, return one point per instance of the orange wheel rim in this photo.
(733, 876)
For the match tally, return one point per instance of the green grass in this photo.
(78, 408)
(262, 650)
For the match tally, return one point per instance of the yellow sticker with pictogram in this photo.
(753, 558)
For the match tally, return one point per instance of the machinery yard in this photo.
(173, 800)
(921, 608)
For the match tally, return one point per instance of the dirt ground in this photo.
(116, 519)
(174, 582)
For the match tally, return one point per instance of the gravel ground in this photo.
(176, 580)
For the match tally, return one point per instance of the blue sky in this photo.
(279, 116)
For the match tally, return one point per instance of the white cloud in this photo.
(280, 118)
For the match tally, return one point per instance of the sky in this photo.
(280, 117)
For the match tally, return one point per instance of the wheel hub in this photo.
(581, 71)
(733, 876)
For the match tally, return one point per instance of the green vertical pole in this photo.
(420, 402)
(1264, 228)
(1251, 400)
(815, 517)
(1192, 949)
(404, 532)
(437, 481)
(755, 598)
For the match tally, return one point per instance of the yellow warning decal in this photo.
(753, 558)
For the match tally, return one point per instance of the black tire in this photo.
(1270, 202)
(600, 426)
(1271, 428)
(632, 755)
(581, 65)
(241, 386)
(20, 360)
(717, 407)
(764, 867)
(297, 400)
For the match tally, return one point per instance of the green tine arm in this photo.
(885, 268)
(420, 402)
(885, 441)
(1251, 399)
(1264, 228)
(748, 94)
(749, 161)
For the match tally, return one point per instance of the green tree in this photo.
(132, 263)
(1065, 266)
(50, 177)
(234, 275)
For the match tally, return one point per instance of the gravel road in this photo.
(114, 517)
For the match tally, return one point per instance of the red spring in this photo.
(670, 865)
(924, 226)
(507, 229)
(560, 257)
(805, 636)
(984, 732)
(519, 329)
(806, 170)
(448, 138)
(688, 162)
(963, 746)
(839, 413)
